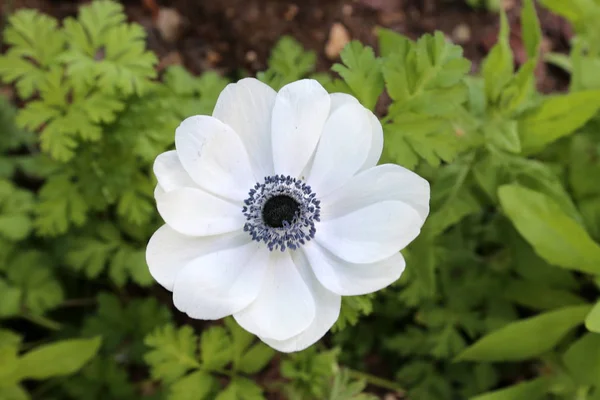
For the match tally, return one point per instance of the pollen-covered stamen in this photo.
(281, 212)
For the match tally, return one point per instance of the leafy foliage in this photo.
(187, 363)
(499, 299)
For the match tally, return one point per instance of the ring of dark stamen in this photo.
(280, 210)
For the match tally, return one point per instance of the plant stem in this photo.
(43, 321)
(376, 381)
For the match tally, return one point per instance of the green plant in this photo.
(498, 300)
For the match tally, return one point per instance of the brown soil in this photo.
(235, 36)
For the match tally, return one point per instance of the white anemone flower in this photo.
(275, 208)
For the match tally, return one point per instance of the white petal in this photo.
(342, 150)
(169, 251)
(221, 283)
(170, 173)
(341, 99)
(376, 147)
(247, 106)
(198, 213)
(381, 183)
(372, 233)
(214, 156)
(349, 279)
(299, 115)
(285, 306)
(327, 306)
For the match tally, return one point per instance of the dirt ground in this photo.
(235, 36)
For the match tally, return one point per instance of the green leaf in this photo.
(353, 307)
(102, 378)
(361, 71)
(414, 136)
(497, 68)
(427, 77)
(173, 352)
(537, 296)
(31, 272)
(15, 392)
(124, 326)
(583, 165)
(554, 235)
(61, 205)
(58, 359)
(592, 321)
(391, 42)
(527, 338)
(531, 30)
(344, 388)
(9, 338)
(106, 51)
(10, 299)
(36, 42)
(556, 117)
(532, 390)
(288, 62)
(215, 348)
(241, 389)
(195, 386)
(15, 209)
(581, 359)
(256, 358)
(504, 135)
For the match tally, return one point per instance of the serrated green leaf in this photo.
(353, 307)
(344, 388)
(241, 389)
(41, 291)
(256, 358)
(556, 117)
(107, 51)
(100, 379)
(428, 78)
(554, 235)
(36, 42)
(391, 42)
(526, 338)
(195, 386)
(414, 136)
(504, 135)
(361, 71)
(215, 348)
(91, 254)
(58, 358)
(173, 352)
(288, 62)
(124, 326)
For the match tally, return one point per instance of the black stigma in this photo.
(279, 209)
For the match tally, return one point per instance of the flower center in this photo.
(281, 212)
